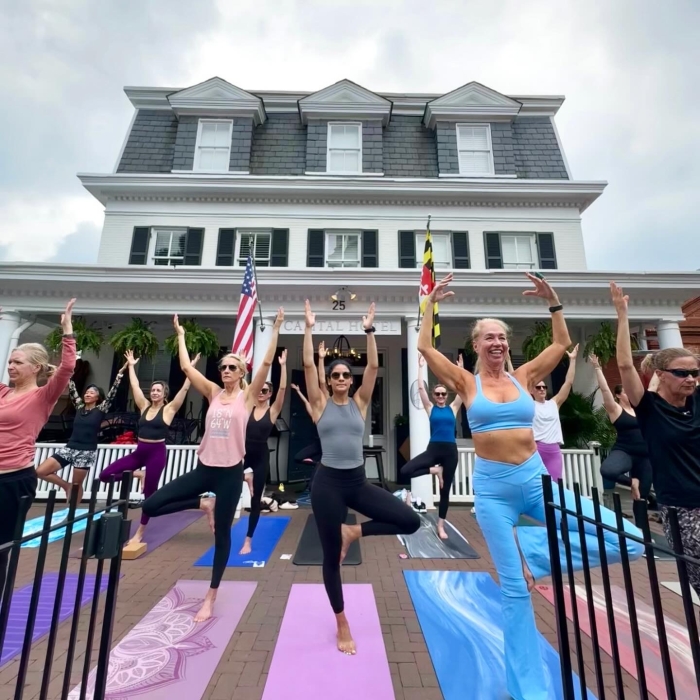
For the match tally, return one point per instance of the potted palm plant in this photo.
(199, 340)
(138, 337)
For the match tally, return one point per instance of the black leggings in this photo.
(184, 494)
(13, 486)
(444, 454)
(332, 493)
(257, 458)
(615, 468)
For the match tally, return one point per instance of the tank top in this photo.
(486, 415)
(223, 444)
(341, 429)
(258, 431)
(443, 425)
(629, 436)
(154, 429)
(546, 425)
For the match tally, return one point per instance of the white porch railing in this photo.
(580, 466)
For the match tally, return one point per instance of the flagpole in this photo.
(257, 287)
(427, 228)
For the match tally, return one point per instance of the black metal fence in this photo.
(106, 530)
(639, 580)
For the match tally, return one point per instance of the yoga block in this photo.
(134, 551)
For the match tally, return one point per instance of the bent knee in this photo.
(412, 523)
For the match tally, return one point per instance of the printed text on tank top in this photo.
(220, 418)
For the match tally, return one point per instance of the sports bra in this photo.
(486, 415)
(154, 429)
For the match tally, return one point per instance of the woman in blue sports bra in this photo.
(508, 476)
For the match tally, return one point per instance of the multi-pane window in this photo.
(213, 148)
(344, 148)
(255, 243)
(474, 148)
(442, 250)
(169, 248)
(153, 369)
(519, 252)
(342, 249)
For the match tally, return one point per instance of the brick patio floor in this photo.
(243, 669)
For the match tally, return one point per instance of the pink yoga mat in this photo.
(307, 665)
(678, 641)
(167, 655)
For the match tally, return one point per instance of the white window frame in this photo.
(329, 149)
(197, 148)
(240, 233)
(532, 239)
(342, 232)
(152, 245)
(490, 172)
(420, 248)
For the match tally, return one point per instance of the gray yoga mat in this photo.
(309, 552)
(425, 543)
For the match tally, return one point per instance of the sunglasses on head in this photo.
(541, 386)
(229, 367)
(340, 375)
(683, 373)
(440, 393)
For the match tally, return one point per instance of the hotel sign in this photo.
(341, 326)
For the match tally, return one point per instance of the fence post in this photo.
(597, 476)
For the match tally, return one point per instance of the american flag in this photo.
(243, 337)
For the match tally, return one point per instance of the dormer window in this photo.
(344, 149)
(213, 149)
(475, 151)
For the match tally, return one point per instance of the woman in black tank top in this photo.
(257, 454)
(149, 459)
(628, 461)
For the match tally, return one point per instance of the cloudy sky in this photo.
(629, 69)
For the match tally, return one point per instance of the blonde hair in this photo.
(647, 365)
(240, 363)
(36, 354)
(477, 331)
(663, 358)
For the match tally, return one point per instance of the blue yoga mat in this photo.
(37, 525)
(267, 535)
(460, 615)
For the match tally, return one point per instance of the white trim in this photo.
(532, 240)
(211, 172)
(126, 140)
(505, 176)
(561, 148)
(200, 124)
(151, 253)
(329, 128)
(239, 237)
(490, 173)
(324, 174)
(344, 100)
(342, 232)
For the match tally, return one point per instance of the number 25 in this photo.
(339, 305)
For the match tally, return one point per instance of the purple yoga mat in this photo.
(168, 655)
(307, 665)
(19, 609)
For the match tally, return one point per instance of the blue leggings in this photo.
(503, 493)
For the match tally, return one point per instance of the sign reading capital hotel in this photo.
(342, 326)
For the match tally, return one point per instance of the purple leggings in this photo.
(152, 456)
(552, 458)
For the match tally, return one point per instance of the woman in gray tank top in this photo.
(340, 482)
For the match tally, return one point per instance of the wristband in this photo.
(372, 329)
(69, 335)
(554, 309)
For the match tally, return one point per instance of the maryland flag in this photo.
(427, 284)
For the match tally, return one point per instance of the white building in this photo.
(333, 190)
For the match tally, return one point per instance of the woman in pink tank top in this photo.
(220, 466)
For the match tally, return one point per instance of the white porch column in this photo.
(669, 334)
(419, 424)
(9, 323)
(261, 341)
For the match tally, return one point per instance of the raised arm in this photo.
(260, 377)
(317, 398)
(74, 395)
(457, 403)
(57, 383)
(276, 407)
(322, 352)
(369, 377)
(307, 405)
(205, 387)
(537, 369)
(107, 403)
(563, 393)
(142, 403)
(172, 407)
(612, 408)
(425, 399)
(631, 381)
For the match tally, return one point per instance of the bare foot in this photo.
(441, 529)
(140, 475)
(408, 497)
(247, 546)
(207, 505)
(437, 470)
(207, 609)
(346, 643)
(349, 533)
(138, 536)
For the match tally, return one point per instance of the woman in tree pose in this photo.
(508, 475)
(81, 449)
(340, 482)
(24, 409)
(157, 415)
(257, 454)
(220, 466)
(441, 457)
(670, 422)
(547, 426)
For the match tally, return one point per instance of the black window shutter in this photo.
(460, 250)
(546, 252)
(279, 254)
(407, 248)
(139, 245)
(494, 259)
(370, 256)
(316, 248)
(226, 247)
(193, 246)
